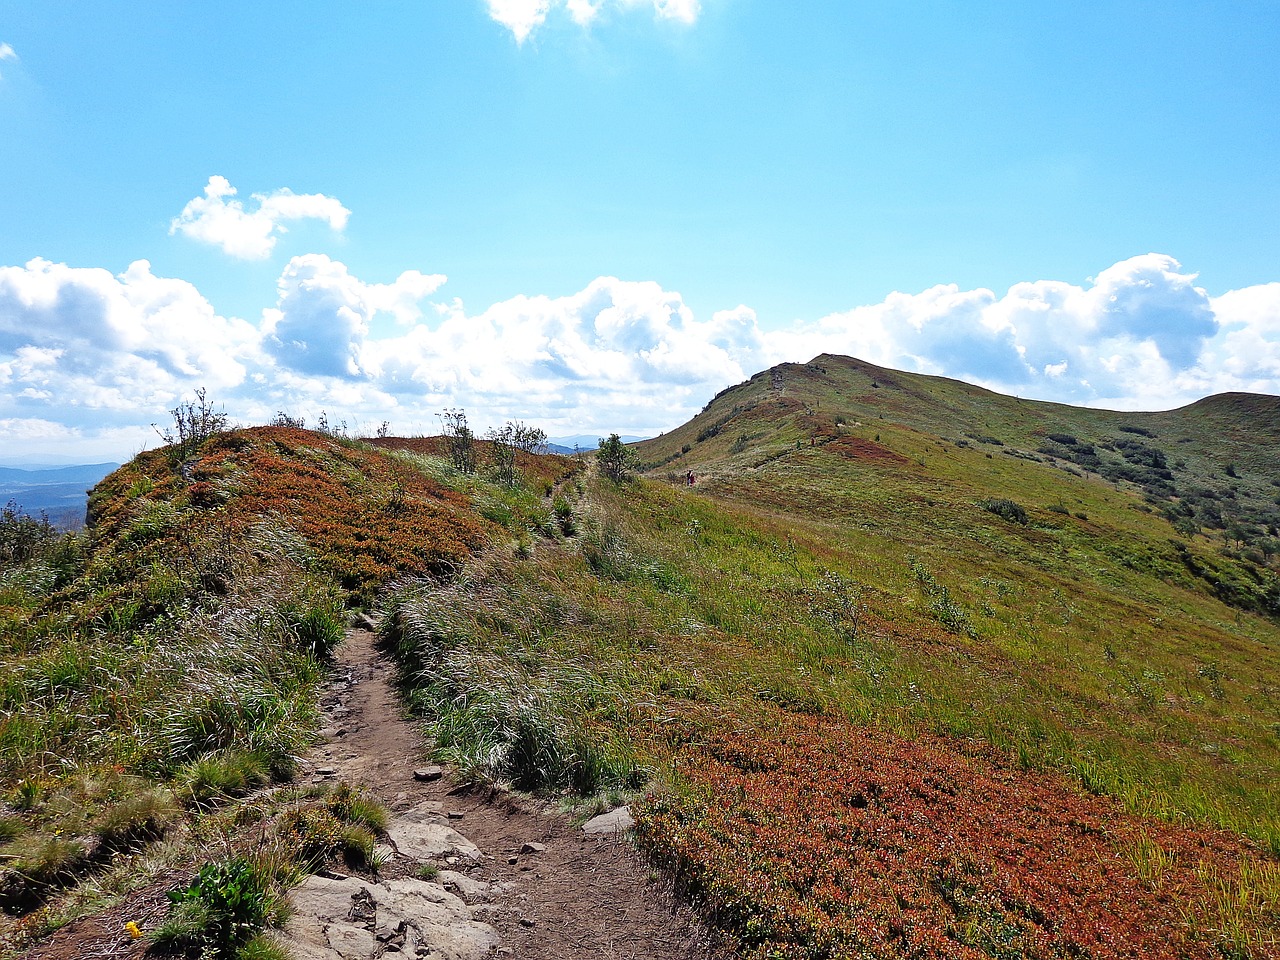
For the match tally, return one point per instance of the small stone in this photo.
(428, 774)
(513, 860)
(534, 848)
(615, 821)
(456, 814)
(526, 922)
(326, 771)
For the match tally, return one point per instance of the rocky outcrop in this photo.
(350, 918)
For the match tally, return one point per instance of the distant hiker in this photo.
(689, 478)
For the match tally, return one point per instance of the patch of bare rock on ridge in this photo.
(467, 873)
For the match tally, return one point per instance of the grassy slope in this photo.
(827, 647)
(170, 659)
(1095, 608)
(771, 644)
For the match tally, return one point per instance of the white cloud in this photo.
(1136, 336)
(322, 317)
(7, 52)
(686, 11)
(217, 219)
(90, 352)
(523, 17)
(93, 347)
(519, 16)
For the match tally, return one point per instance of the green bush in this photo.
(1006, 510)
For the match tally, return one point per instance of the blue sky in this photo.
(594, 214)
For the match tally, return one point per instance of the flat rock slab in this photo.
(430, 841)
(615, 821)
(471, 890)
(353, 918)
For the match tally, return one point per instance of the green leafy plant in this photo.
(614, 459)
(225, 908)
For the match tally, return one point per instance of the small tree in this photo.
(614, 459)
(527, 438)
(504, 443)
(193, 422)
(459, 439)
(502, 451)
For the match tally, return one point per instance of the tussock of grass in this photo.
(491, 710)
(220, 777)
(145, 813)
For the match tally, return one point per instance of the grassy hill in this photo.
(914, 669)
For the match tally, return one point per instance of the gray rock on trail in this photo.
(430, 841)
(352, 918)
(471, 890)
(615, 821)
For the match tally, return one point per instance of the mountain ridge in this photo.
(908, 669)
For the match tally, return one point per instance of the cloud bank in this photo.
(523, 17)
(88, 357)
(216, 219)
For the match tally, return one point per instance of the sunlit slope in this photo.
(814, 400)
(1208, 473)
(1054, 607)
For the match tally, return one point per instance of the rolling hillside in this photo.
(912, 670)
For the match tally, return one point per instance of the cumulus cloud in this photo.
(519, 16)
(83, 350)
(96, 347)
(322, 317)
(216, 218)
(7, 53)
(1137, 335)
(616, 349)
(523, 17)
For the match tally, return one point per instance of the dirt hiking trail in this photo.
(470, 872)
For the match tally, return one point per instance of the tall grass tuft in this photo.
(494, 707)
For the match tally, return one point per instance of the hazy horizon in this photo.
(593, 215)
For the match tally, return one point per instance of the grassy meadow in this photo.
(912, 670)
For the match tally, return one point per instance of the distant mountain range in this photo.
(59, 492)
(582, 442)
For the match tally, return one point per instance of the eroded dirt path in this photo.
(516, 878)
(544, 887)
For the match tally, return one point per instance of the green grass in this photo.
(825, 585)
(886, 549)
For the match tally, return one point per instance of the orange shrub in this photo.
(809, 837)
